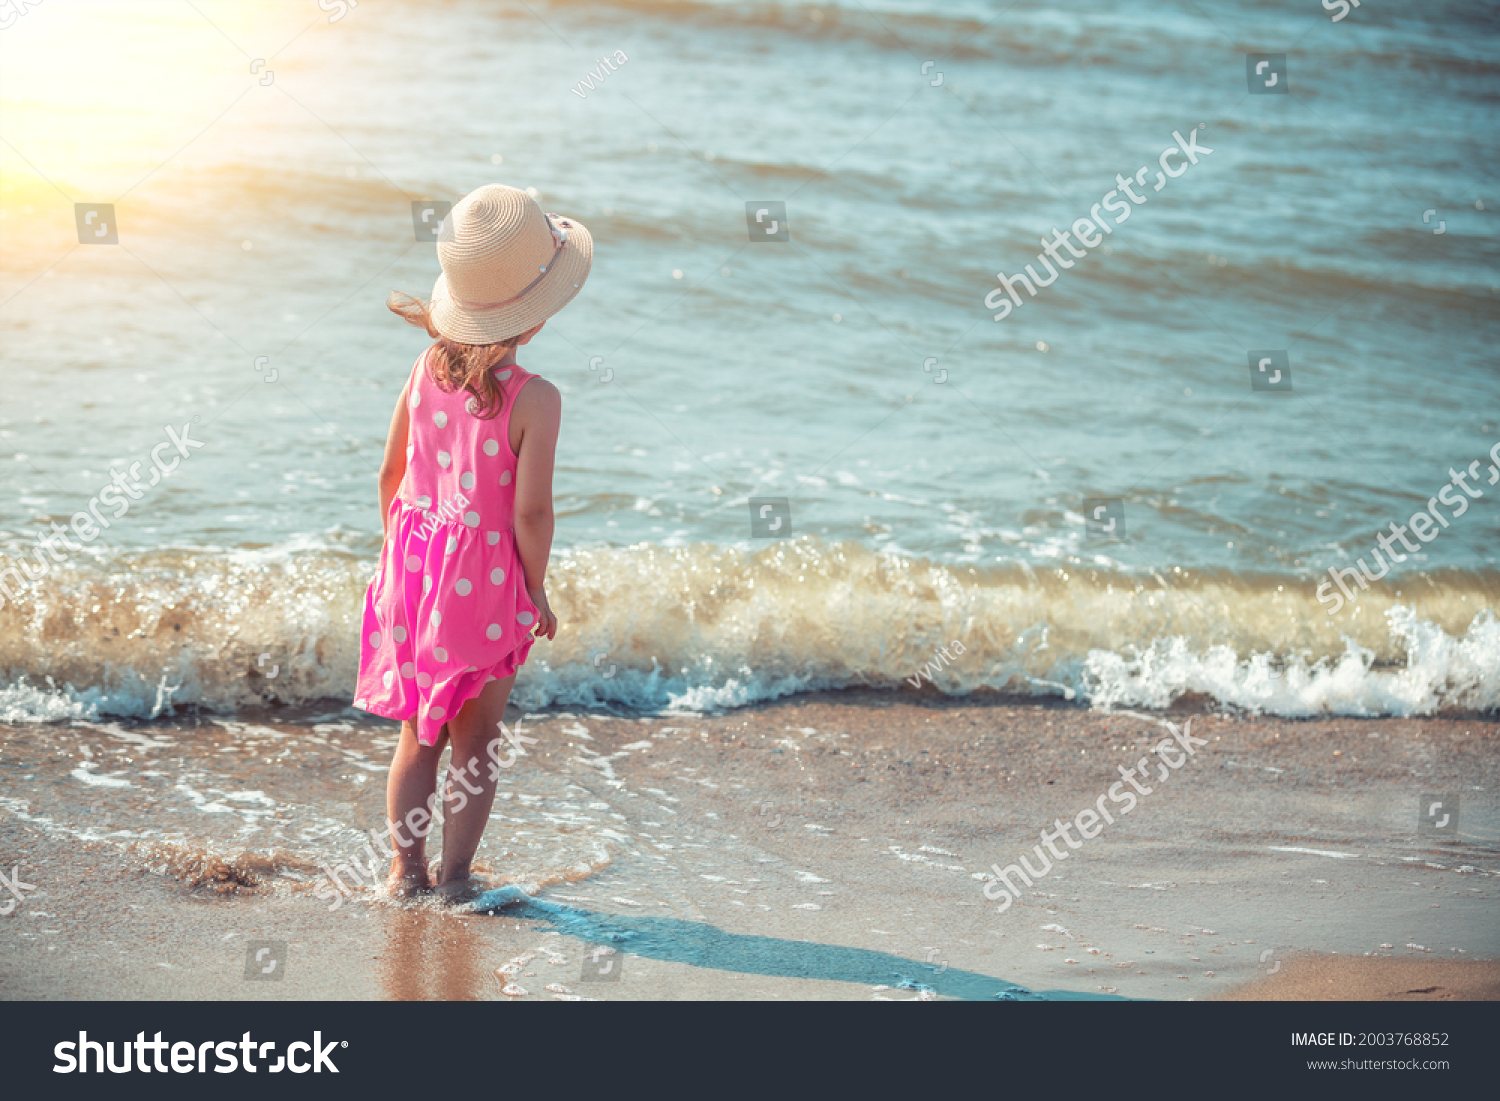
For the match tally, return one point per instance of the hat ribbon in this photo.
(559, 242)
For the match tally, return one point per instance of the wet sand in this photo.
(824, 846)
(1342, 978)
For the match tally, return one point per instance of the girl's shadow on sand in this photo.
(700, 944)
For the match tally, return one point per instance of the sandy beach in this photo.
(832, 846)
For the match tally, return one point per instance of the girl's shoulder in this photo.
(420, 369)
(420, 379)
(519, 381)
(537, 398)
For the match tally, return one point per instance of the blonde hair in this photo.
(454, 366)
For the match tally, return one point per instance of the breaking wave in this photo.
(705, 627)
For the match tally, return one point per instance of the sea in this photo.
(834, 453)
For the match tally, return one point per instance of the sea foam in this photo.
(705, 627)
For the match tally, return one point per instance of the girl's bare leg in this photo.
(469, 790)
(408, 801)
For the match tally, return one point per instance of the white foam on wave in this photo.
(127, 695)
(23, 702)
(707, 628)
(1441, 672)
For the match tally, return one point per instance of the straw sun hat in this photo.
(507, 266)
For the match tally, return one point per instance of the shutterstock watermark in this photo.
(770, 518)
(1087, 229)
(1437, 816)
(122, 491)
(11, 10)
(14, 886)
(1426, 525)
(602, 964)
(1088, 821)
(419, 821)
(265, 960)
(340, 8)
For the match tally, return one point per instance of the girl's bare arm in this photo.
(393, 466)
(534, 425)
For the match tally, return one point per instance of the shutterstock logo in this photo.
(1438, 816)
(188, 1058)
(770, 518)
(265, 961)
(766, 221)
(601, 964)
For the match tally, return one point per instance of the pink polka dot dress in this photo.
(448, 611)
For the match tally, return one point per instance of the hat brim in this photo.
(470, 325)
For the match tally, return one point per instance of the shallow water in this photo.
(229, 806)
(834, 846)
(938, 464)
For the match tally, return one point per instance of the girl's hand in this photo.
(546, 624)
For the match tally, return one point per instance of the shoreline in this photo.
(824, 845)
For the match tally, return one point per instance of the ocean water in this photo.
(939, 467)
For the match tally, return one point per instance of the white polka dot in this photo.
(413, 563)
(472, 406)
(435, 618)
(416, 398)
(504, 376)
(424, 680)
(439, 653)
(462, 586)
(472, 519)
(427, 583)
(525, 618)
(445, 460)
(497, 575)
(398, 633)
(361, 703)
(374, 640)
(440, 419)
(493, 632)
(411, 449)
(466, 479)
(436, 711)
(505, 478)
(408, 670)
(424, 502)
(492, 537)
(451, 545)
(387, 678)
(491, 448)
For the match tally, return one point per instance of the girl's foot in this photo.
(459, 890)
(408, 880)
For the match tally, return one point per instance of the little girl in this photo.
(466, 500)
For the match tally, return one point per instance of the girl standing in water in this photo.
(466, 499)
